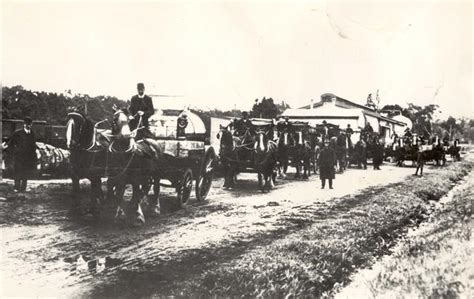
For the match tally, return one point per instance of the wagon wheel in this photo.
(184, 188)
(203, 183)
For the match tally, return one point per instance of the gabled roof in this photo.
(342, 103)
(338, 99)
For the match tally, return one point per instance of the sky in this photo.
(226, 54)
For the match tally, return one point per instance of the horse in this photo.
(358, 155)
(436, 153)
(454, 151)
(234, 152)
(265, 160)
(87, 160)
(341, 152)
(302, 155)
(131, 162)
(284, 143)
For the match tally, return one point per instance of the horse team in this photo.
(266, 148)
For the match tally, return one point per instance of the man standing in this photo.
(349, 133)
(141, 107)
(377, 154)
(327, 162)
(420, 160)
(22, 146)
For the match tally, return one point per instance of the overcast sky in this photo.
(229, 53)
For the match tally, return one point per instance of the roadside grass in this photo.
(434, 261)
(346, 234)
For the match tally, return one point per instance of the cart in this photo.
(187, 159)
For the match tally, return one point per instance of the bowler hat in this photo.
(28, 120)
(140, 86)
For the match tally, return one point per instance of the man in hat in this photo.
(141, 108)
(420, 159)
(349, 133)
(378, 150)
(182, 124)
(22, 145)
(327, 162)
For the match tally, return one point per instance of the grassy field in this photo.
(434, 261)
(345, 234)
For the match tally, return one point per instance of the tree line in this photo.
(18, 102)
(424, 123)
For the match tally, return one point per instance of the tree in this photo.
(52, 107)
(266, 108)
(453, 128)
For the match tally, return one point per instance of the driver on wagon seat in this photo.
(141, 107)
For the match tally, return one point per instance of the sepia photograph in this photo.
(236, 149)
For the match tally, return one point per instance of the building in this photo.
(342, 112)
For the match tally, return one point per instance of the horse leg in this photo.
(298, 169)
(260, 178)
(232, 176)
(110, 195)
(154, 200)
(75, 196)
(279, 168)
(135, 204)
(267, 177)
(96, 196)
(273, 179)
(226, 176)
(305, 168)
(119, 190)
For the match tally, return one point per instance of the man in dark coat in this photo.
(327, 163)
(369, 129)
(349, 133)
(141, 106)
(420, 160)
(377, 154)
(22, 145)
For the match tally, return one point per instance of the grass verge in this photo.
(347, 234)
(434, 261)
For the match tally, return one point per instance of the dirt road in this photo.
(47, 253)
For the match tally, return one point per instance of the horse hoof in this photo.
(156, 211)
(139, 221)
(120, 214)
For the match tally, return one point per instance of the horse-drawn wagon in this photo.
(175, 153)
(297, 147)
(248, 146)
(407, 148)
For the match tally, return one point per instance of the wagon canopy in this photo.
(164, 123)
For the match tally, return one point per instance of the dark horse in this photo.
(235, 153)
(358, 155)
(265, 160)
(88, 158)
(302, 154)
(131, 162)
(285, 143)
(342, 144)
